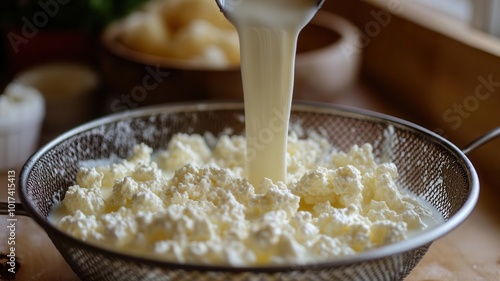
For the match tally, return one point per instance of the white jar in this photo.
(22, 110)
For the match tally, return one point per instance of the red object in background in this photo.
(47, 46)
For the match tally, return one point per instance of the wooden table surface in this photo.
(469, 252)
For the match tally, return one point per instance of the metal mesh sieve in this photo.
(428, 165)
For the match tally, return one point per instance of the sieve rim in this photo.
(419, 240)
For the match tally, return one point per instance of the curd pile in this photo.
(191, 203)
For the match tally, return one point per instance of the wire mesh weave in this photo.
(427, 165)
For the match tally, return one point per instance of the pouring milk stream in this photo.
(268, 32)
(205, 215)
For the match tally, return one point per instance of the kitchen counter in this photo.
(469, 252)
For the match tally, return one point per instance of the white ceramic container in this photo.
(22, 110)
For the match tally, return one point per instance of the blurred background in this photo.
(435, 63)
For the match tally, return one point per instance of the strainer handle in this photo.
(489, 136)
(12, 208)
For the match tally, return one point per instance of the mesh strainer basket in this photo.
(428, 165)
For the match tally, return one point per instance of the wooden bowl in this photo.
(132, 78)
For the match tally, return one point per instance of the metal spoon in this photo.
(234, 3)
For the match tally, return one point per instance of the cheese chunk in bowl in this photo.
(190, 30)
(179, 50)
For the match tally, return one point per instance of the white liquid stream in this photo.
(268, 32)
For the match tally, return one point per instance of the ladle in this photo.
(226, 6)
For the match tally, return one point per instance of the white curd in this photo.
(191, 203)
